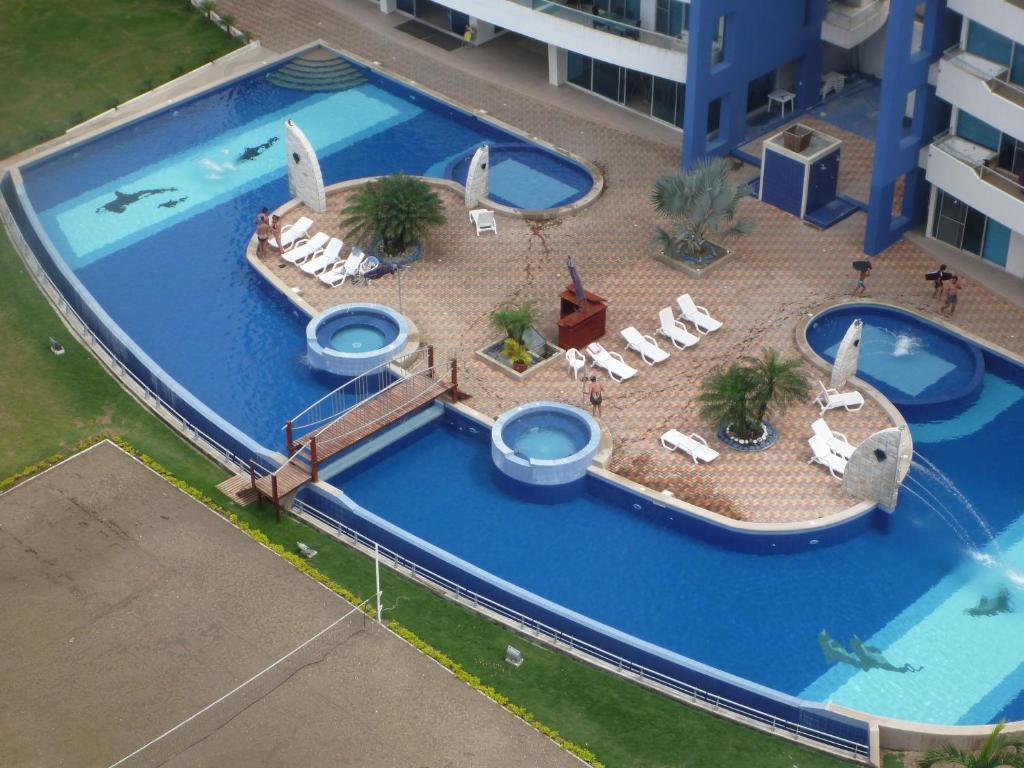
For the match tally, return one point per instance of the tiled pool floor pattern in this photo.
(780, 273)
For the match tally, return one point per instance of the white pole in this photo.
(376, 571)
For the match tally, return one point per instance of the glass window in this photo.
(408, 6)
(949, 221)
(978, 131)
(1017, 65)
(714, 116)
(974, 231)
(988, 43)
(669, 16)
(579, 70)
(663, 104)
(606, 80)
(758, 90)
(997, 243)
(638, 91)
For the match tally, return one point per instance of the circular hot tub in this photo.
(353, 338)
(545, 443)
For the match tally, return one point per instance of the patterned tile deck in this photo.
(781, 272)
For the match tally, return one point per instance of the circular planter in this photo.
(769, 436)
(545, 443)
(410, 256)
(350, 339)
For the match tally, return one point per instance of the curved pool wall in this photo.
(580, 426)
(392, 326)
(335, 506)
(947, 370)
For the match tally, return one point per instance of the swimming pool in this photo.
(151, 222)
(170, 277)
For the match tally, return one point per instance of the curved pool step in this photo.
(309, 74)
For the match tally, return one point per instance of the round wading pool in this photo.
(353, 338)
(544, 443)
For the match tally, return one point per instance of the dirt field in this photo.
(125, 607)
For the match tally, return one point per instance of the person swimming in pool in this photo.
(596, 391)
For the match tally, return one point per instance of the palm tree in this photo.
(740, 396)
(397, 210)
(998, 750)
(514, 320)
(725, 401)
(703, 202)
(774, 383)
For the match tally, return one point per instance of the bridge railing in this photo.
(335, 403)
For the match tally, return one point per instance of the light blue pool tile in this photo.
(511, 176)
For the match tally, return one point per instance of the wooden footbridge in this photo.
(353, 412)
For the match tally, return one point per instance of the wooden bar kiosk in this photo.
(580, 323)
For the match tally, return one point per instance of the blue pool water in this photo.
(154, 218)
(358, 338)
(904, 589)
(545, 443)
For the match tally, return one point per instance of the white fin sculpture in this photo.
(847, 356)
(477, 185)
(305, 181)
(874, 471)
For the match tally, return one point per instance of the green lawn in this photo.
(66, 60)
(50, 403)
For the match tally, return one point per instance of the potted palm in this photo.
(395, 213)
(999, 749)
(701, 203)
(739, 399)
(514, 320)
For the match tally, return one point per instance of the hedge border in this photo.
(303, 566)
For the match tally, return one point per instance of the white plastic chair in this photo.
(836, 441)
(697, 315)
(292, 233)
(692, 444)
(330, 256)
(836, 465)
(483, 220)
(345, 269)
(648, 348)
(828, 399)
(675, 330)
(618, 369)
(577, 362)
(304, 249)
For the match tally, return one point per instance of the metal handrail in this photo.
(360, 385)
(622, 664)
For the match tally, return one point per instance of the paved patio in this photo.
(781, 273)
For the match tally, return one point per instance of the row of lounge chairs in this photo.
(320, 255)
(675, 330)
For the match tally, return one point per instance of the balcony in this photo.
(607, 37)
(848, 23)
(1004, 16)
(958, 167)
(980, 87)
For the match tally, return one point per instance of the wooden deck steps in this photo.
(290, 478)
(239, 489)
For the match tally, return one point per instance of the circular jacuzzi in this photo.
(353, 338)
(545, 443)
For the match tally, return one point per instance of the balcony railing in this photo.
(975, 156)
(850, 17)
(609, 23)
(995, 76)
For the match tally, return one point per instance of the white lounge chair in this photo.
(324, 261)
(836, 465)
(344, 270)
(836, 441)
(697, 315)
(483, 220)
(577, 362)
(305, 249)
(617, 368)
(648, 348)
(675, 330)
(292, 233)
(692, 444)
(828, 399)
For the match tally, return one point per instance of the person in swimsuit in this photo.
(861, 282)
(262, 236)
(275, 232)
(938, 281)
(596, 391)
(952, 295)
